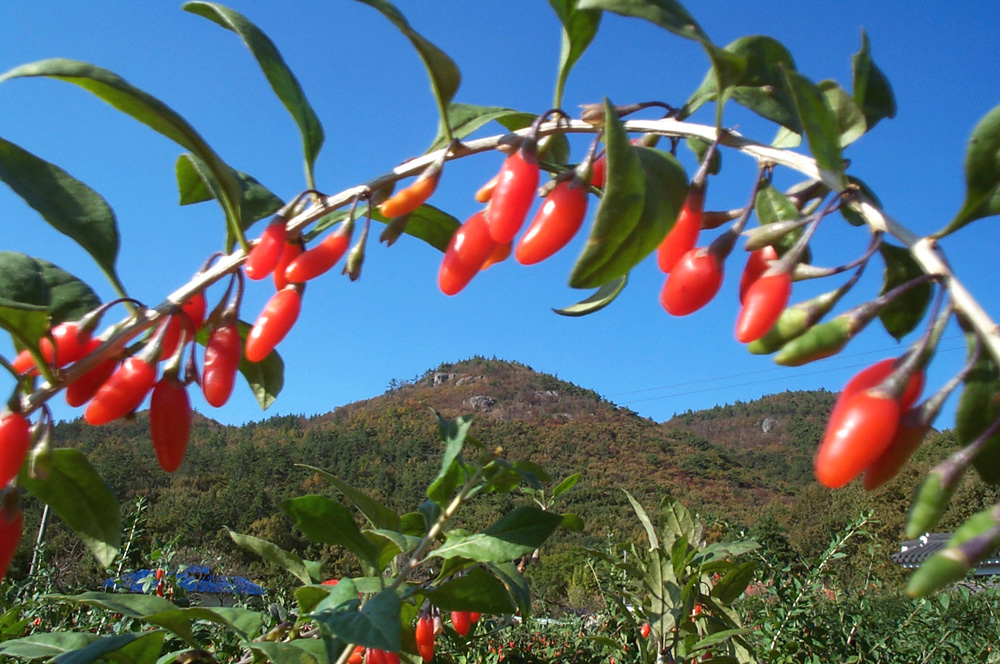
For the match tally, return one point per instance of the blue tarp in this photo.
(194, 579)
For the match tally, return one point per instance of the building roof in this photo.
(913, 552)
(193, 579)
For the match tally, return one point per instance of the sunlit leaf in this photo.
(195, 184)
(579, 26)
(24, 297)
(821, 128)
(69, 297)
(850, 119)
(465, 119)
(377, 514)
(515, 534)
(478, 590)
(982, 174)
(427, 223)
(76, 492)
(68, 205)
(327, 521)
(444, 73)
(604, 296)
(304, 571)
(281, 78)
(376, 625)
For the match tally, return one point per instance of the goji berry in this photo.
(170, 421)
(424, 636)
(683, 236)
(763, 303)
(513, 195)
(862, 431)
(692, 283)
(11, 528)
(222, 360)
(122, 393)
(469, 249)
(264, 255)
(461, 621)
(274, 322)
(291, 251)
(321, 258)
(409, 199)
(190, 320)
(15, 441)
(557, 221)
(757, 264)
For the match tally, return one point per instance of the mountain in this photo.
(731, 464)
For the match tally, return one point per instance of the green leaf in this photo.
(579, 26)
(327, 521)
(516, 585)
(196, 184)
(572, 522)
(872, 91)
(47, 645)
(566, 485)
(378, 515)
(68, 205)
(453, 434)
(982, 174)
(715, 638)
(81, 498)
(654, 542)
(700, 147)
(145, 108)
(977, 410)
(282, 80)
(444, 73)
(298, 651)
(821, 128)
(121, 648)
(69, 297)
(513, 535)
(131, 605)
(376, 625)
(465, 119)
(478, 590)
(305, 571)
(618, 215)
(428, 223)
(24, 298)
(244, 622)
(601, 298)
(761, 87)
(267, 377)
(773, 206)
(731, 586)
(677, 520)
(850, 120)
(902, 315)
(400, 542)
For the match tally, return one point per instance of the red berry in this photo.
(264, 255)
(11, 528)
(274, 322)
(558, 220)
(123, 392)
(692, 283)
(513, 196)
(319, 259)
(469, 249)
(170, 422)
(763, 303)
(190, 320)
(757, 264)
(83, 389)
(683, 236)
(862, 431)
(291, 251)
(461, 621)
(15, 441)
(424, 635)
(222, 360)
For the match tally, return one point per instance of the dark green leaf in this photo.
(139, 645)
(761, 86)
(618, 215)
(81, 498)
(376, 625)
(305, 571)
(772, 206)
(717, 637)
(872, 91)
(982, 173)
(902, 315)
(428, 223)
(677, 520)
(143, 107)
(378, 515)
(668, 14)
(69, 298)
(821, 128)
(133, 606)
(68, 205)
(244, 622)
(516, 533)
(572, 522)
(731, 586)
(196, 184)
(700, 147)
(299, 651)
(282, 80)
(516, 585)
(601, 298)
(850, 120)
(267, 377)
(400, 543)
(453, 434)
(327, 521)
(24, 297)
(977, 410)
(579, 27)
(464, 119)
(444, 73)
(46, 645)
(478, 590)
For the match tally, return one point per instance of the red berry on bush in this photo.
(409, 199)
(692, 283)
(170, 421)
(83, 389)
(291, 251)
(264, 255)
(424, 635)
(461, 621)
(320, 259)
(274, 322)
(189, 321)
(222, 360)
(763, 303)
(757, 264)
(861, 432)
(558, 220)
(469, 249)
(11, 527)
(15, 441)
(513, 195)
(683, 236)
(123, 392)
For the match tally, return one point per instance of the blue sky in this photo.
(371, 92)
